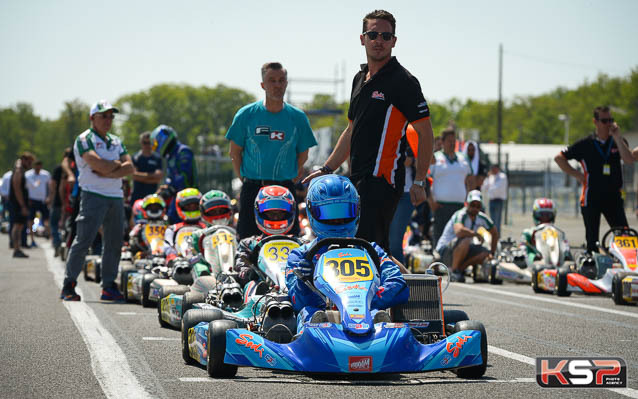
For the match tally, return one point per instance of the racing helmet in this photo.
(136, 210)
(215, 208)
(162, 139)
(187, 204)
(274, 210)
(543, 211)
(153, 207)
(588, 267)
(333, 207)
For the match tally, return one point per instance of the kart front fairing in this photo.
(219, 250)
(273, 256)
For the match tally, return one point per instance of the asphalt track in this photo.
(96, 349)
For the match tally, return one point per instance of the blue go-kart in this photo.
(347, 275)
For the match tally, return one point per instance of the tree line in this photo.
(201, 116)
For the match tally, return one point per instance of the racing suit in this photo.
(392, 291)
(181, 173)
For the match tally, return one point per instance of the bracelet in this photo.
(326, 169)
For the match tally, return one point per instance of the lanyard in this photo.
(452, 160)
(600, 151)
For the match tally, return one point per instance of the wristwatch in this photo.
(326, 169)
(420, 183)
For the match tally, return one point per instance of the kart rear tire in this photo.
(561, 282)
(159, 316)
(98, 271)
(452, 317)
(191, 298)
(473, 372)
(535, 271)
(217, 349)
(147, 279)
(616, 289)
(190, 320)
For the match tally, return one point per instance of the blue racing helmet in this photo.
(162, 138)
(332, 204)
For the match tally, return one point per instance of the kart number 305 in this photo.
(347, 270)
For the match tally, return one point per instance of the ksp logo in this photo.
(247, 341)
(278, 136)
(581, 372)
(453, 348)
(360, 363)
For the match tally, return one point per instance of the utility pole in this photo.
(499, 111)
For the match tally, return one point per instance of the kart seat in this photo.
(333, 316)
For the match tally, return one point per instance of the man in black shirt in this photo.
(602, 181)
(385, 98)
(148, 169)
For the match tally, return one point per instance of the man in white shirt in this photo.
(37, 186)
(496, 187)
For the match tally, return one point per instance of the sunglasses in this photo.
(372, 35)
(606, 120)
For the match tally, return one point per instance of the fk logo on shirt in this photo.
(278, 136)
(378, 95)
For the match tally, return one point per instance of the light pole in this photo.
(565, 119)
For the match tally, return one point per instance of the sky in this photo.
(57, 51)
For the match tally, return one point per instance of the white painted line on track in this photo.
(629, 392)
(160, 339)
(126, 313)
(109, 364)
(548, 300)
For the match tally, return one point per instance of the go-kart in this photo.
(262, 304)
(595, 273)
(347, 276)
(508, 265)
(219, 246)
(622, 246)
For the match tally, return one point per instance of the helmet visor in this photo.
(217, 211)
(189, 206)
(545, 216)
(154, 208)
(340, 213)
(273, 204)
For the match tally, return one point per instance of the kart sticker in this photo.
(154, 234)
(278, 251)
(247, 341)
(222, 237)
(347, 270)
(360, 363)
(626, 242)
(181, 243)
(455, 348)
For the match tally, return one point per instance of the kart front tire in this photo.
(616, 289)
(561, 282)
(452, 317)
(473, 372)
(147, 279)
(535, 271)
(191, 298)
(190, 320)
(217, 349)
(159, 316)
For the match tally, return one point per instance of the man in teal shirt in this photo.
(269, 142)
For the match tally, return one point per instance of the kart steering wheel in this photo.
(619, 230)
(344, 243)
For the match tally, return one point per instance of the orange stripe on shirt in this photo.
(389, 151)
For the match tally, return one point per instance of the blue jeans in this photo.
(400, 222)
(96, 211)
(496, 210)
(54, 221)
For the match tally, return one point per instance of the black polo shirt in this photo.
(593, 155)
(148, 165)
(380, 110)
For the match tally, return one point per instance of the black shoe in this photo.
(319, 317)
(382, 317)
(19, 254)
(68, 292)
(457, 277)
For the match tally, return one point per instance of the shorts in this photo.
(15, 216)
(35, 206)
(447, 251)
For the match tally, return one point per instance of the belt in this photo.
(266, 182)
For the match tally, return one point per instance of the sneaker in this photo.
(57, 251)
(111, 294)
(19, 254)
(34, 245)
(457, 277)
(382, 317)
(319, 317)
(68, 292)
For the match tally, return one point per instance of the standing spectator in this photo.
(600, 155)
(181, 170)
(496, 187)
(385, 98)
(57, 190)
(4, 193)
(269, 142)
(18, 202)
(39, 196)
(451, 174)
(102, 161)
(479, 170)
(148, 169)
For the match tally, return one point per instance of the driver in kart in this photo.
(274, 214)
(152, 210)
(543, 211)
(187, 205)
(333, 206)
(216, 210)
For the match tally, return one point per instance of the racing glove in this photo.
(305, 268)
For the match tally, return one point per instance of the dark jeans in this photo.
(400, 222)
(379, 200)
(246, 225)
(441, 216)
(612, 207)
(496, 210)
(54, 221)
